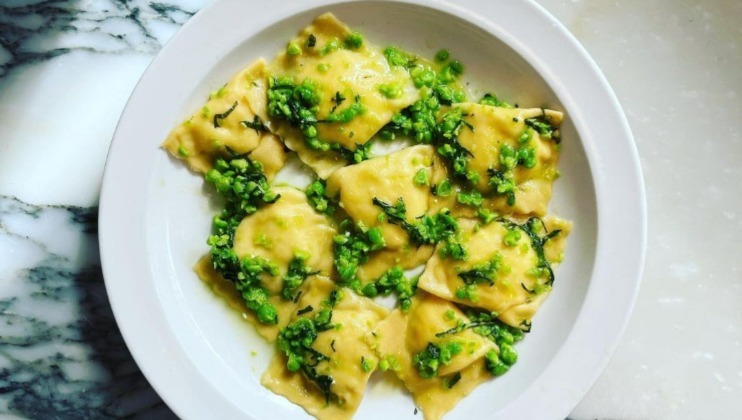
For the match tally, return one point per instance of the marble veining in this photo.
(33, 31)
(67, 68)
(61, 354)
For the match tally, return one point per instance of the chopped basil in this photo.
(311, 41)
(256, 124)
(224, 114)
(451, 381)
(483, 273)
(305, 310)
(428, 361)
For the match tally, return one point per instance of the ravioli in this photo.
(345, 345)
(269, 234)
(403, 335)
(498, 277)
(356, 74)
(520, 315)
(218, 127)
(379, 262)
(388, 178)
(227, 291)
(271, 154)
(279, 231)
(491, 128)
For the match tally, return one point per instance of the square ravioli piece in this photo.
(220, 129)
(512, 156)
(226, 290)
(356, 92)
(286, 230)
(387, 178)
(291, 239)
(342, 360)
(404, 340)
(508, 268)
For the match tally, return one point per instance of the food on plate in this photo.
(420, 191)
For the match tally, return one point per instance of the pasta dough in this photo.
(493, 127)
(402, 335)
(351, 73)
(205, 135)
(347, 348)
(229, 293)
(516, 289)
(279, 231)
(387, 178)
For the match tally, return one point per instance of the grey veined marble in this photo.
(61, 354)
(32, 30)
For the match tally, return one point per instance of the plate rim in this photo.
(149, 354)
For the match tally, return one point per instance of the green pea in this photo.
(512, 237)
(267, 314)
(444, 188)
(366, 365)
(376, 238)
(508, 355)
(459, 96)
(323, 67)
(391, 90)
(424, 77)
(293, 365)
(223, 185)
(442, 55)
(370, 290)
(499, 369)
(353, 41)
(332, 46)
(526, 135)
(421, 178)
(310, 131)
(239, 164)
(507, 337)
(213, 176)
(293, 49)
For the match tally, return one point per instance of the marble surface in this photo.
(67, 68)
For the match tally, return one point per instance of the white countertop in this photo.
(67, 69)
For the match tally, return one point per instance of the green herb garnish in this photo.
(426, 229)
(317, 199)
(483, 273)
(532, 228)
(224, 114)
(311, 41)
(296, 339)
(296, 274)
(256, 124)
(352, 248)
(244, 187)
(393, 281)
(428, 361)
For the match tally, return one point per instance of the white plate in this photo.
(155, 215)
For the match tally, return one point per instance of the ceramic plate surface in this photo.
(155, 214)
